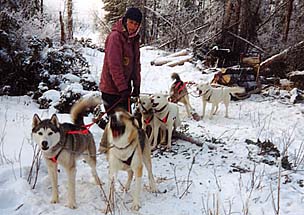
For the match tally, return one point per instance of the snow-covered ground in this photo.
(225, 176)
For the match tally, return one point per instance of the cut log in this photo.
(182, 55)
(179, 61)
(171, 61)
(160, 61)
(183, 52)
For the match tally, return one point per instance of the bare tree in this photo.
(144, 23)
(62, 32)
(70, 20)
(287, 19)
(41, 6)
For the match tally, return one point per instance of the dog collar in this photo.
(129, 160)
(143, 107)
(121, 148)
(160, 110)
(205, 94)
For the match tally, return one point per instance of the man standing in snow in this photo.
(120, 77)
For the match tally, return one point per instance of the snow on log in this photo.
(292, 57)
(179, 61)
(177, 58)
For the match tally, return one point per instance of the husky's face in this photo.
(203, 88)
(45, 132)
(159, 101)
(145, 104)
(121, 122)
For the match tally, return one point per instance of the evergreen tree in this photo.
(114, 10)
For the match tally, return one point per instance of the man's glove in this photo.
(136, 91)
(124, 95)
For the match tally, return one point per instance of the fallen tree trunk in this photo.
(182, 136)
(290, 59)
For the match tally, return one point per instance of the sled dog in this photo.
(216, 95)
(179, 93)
(147, 115)
(128, 150)
(64, 143)
(147, 120)
(166, 116)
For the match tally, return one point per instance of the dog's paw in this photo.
(153, 189)
(135, 206)
(196, 117)
(125, 188)
(55, 199)
(71, 205)
(168, 148)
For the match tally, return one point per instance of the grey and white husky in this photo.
(65, 143)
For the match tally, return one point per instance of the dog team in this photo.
(126, 140)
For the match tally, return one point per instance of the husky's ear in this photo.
(36, 120)
(55, 120)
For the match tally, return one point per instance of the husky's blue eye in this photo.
(50, 133)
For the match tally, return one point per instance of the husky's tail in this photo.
(80, 108)
(175, 76)
(234, 90)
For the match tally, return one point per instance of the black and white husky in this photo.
(63, 144)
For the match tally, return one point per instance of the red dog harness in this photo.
(180, 87)
(84, 132)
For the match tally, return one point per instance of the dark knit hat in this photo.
(133, 13)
